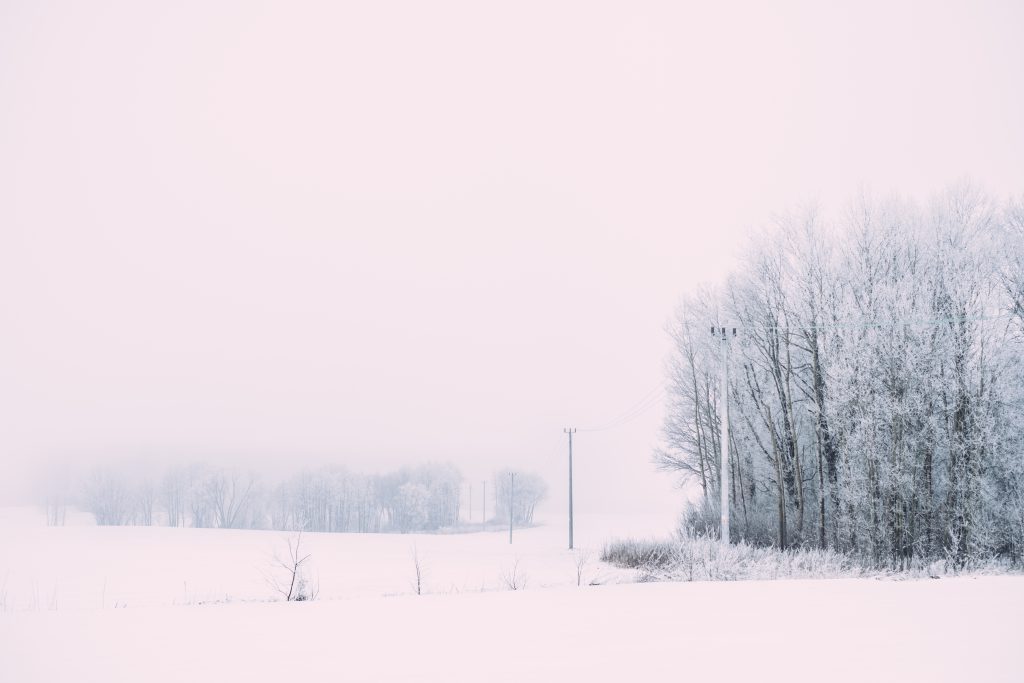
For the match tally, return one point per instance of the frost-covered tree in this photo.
(174, 492)
(412, 508)
(529, 491)
(874, 387)
(107, 496)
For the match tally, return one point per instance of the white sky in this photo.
(385, 232)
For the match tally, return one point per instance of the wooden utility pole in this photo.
(723, 478)
(570, 431)
(511, 500)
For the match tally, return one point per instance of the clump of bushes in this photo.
(637, 554)
(702, 558)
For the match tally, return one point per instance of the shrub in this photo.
(702, 558)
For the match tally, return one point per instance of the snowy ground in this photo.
(84, 566)
(946, 629)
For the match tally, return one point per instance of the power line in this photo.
(511, 503)
(650, 399)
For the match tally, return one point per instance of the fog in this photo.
(277, 234)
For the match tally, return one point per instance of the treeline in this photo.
(333, 499)
(875, 386)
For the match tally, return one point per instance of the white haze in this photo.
(380, 233)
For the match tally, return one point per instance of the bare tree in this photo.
(512, 578)
(288, 575)
(418, 570)
(581, 558)
(144, 501)
(530, 490)
(107, 496)
(174, 491)
(229, 493)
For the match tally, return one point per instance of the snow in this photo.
(864, 630)
(85, 566)
(858, 629)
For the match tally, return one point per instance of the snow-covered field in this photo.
(84, 566)
(62, 586)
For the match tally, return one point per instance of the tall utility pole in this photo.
(570, 431)
(511, 499)
(724, 476)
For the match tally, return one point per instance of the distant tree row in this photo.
(876, 385)
(333, 498)
(423, 498)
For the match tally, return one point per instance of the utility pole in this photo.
(511, 499)
(570, 431)
(724, 476)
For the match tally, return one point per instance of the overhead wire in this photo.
(648, 401)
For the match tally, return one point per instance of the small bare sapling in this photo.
(581, 559)
(418, 571)
(289, 575)
(513, 578)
